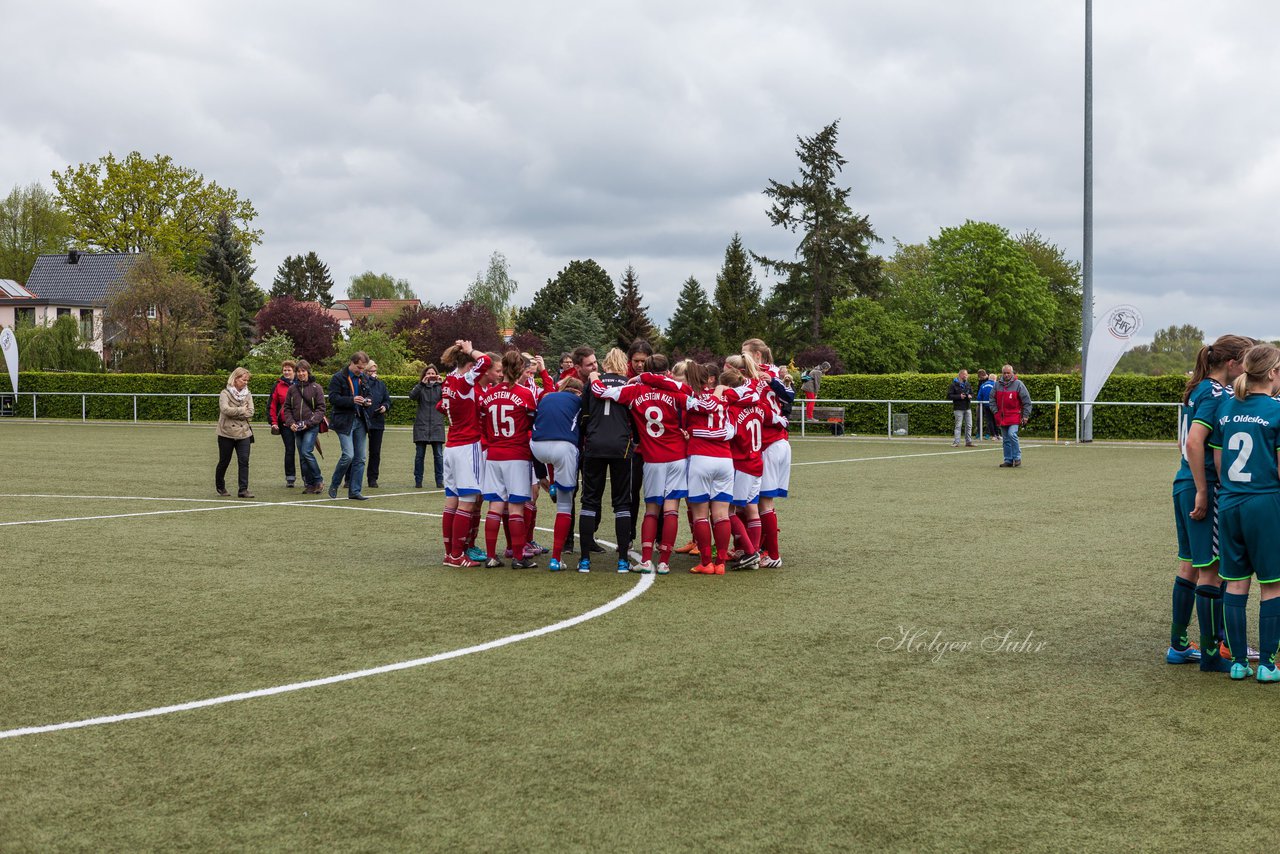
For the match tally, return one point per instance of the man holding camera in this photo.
(349, 406)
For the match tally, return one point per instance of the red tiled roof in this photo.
(357, 308)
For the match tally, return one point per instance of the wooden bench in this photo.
(833, 415)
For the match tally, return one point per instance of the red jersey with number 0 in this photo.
(507, 412)
(748, 430)
(458, 398)
(657, 413)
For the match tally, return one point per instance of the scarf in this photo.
(239, 395)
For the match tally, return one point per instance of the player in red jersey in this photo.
(507, 411)
(775, 480)
(657, 411)
(710, 467)
(742, 398)
(462, 460)
(535, 367)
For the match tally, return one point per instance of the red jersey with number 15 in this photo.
(458, 401)
(507, 412)
(657, 416)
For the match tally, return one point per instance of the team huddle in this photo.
(714, 437)
(1226, 499)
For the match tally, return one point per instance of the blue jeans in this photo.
(1012, 450)
(351, 465)
(306, 442)
(437, 460)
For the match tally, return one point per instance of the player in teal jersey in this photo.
(1194, 507)
(1246, 450)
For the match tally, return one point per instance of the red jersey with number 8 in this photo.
(657, 416)
(507, 415)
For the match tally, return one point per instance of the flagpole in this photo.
(1086, 304)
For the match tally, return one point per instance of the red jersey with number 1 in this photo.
(709, 430)
(458, 397)
(508, 420)
(657, 413)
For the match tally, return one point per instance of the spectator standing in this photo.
(1013, 408)
(810, 383)
(428, 426)
(350, 421)
(235, 434)
(379, 406)
(274, 417)
(961, 396)
(987, 428)
(303, 413)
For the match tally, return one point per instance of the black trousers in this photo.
(290, 440)
(241, 448)
(374, 461)
(594, 472)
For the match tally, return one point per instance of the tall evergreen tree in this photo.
(575, 326)
(834, 256)
(633, 318)
(692, 326)
(739, 308)
(305, 278)
(225, 267)
(582, 282)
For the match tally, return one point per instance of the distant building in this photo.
(74, 283)
(348, 311)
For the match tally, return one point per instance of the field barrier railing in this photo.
(979, 411)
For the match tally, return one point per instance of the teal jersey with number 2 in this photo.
(1247, 431)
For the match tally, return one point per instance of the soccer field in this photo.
(954, 656)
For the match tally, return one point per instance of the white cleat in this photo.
(771, 562)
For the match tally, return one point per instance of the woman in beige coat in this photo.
(235, 409)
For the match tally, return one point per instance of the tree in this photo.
(871, 339)
(305, 278)
(160, 318)
(738, 302)
(1062, 344)
(582, 283)
(31, 225)
(310, 327)
(575, 326)
(59, 347)
(834, 258)
(1173, 350)
(225, 267)
(529, 342)
(691, 327)
(494, 289)
(371, 285)
(975, 296)
(155, 206)
(266, 356)
(632, 321)
(429, 330)
(385, 349)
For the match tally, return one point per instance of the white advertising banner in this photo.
(1113, 334)
(10, 346)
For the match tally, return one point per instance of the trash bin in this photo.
(899, 423)
(7, 406)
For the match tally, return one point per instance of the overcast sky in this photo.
(416, 139)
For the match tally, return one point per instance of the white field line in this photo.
(645, 582)
(904, 456)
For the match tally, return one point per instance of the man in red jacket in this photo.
(1012, 403)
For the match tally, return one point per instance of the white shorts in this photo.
(463, 466)
(665, 480)
(562, 458)
(746, 488)
(710, 479)
(508, 480)
(777, 470)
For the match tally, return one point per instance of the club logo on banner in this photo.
(1112, 335)
(10, 347)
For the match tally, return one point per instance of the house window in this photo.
(63, 312)
(151, 312)
(86, 324)
(25, 317)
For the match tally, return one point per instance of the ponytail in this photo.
(1258, 361)
(1214, 356)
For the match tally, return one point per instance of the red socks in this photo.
(670, 526)
(492, 524)
(563, 522)
(648, 528)
(722, 528)
(769, 533)
(702, 536)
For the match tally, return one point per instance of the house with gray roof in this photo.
(76, 283)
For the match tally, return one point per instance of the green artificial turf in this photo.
(761, 710)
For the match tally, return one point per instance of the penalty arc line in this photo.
(645, 582)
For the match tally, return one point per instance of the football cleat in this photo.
(771, 562)
(584, 565)
(703, 569)
(527, 563)
(624, 565)
(643, 566)
(689, 548)
(1268, 674)
(1189, 655)
(554, 565)
(718, 569)
(1241, 671)
(663, 569)
(1250, 653)
(461, 561)
(493, 563)
(532, 549)
(477, 554)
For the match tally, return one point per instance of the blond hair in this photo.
(615, 362)
(1259, 361)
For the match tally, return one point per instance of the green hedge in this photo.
(1109, 422)
(866, 419)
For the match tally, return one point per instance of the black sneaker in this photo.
(357, 498)
(528, 563)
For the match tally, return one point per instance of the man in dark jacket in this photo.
(349, 404)
(961, 394)
(379, 406)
